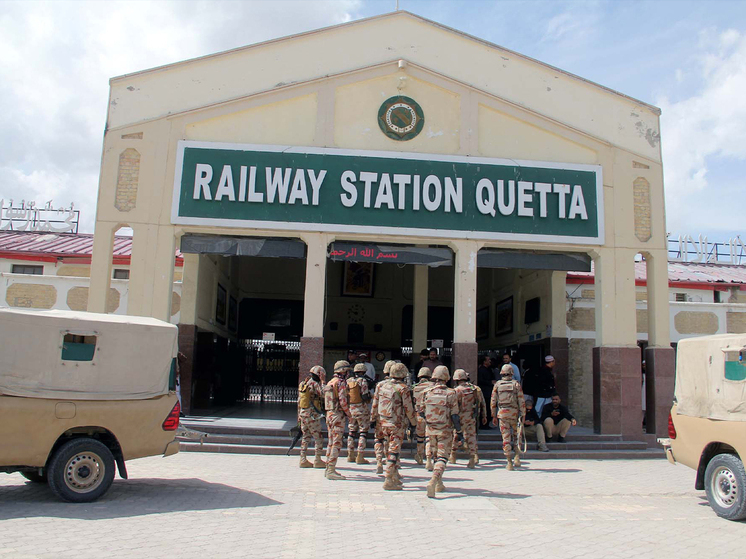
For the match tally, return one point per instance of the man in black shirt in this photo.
(556, 418)
(485, 380)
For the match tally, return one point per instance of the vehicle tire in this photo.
(34, 476)
(725, 485)
(81, 470)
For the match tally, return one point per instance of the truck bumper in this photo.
(666, 443)
(172, 448)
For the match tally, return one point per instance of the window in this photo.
(680, 297)
(121, 274)
(716, 296)
(77, 347)
(27, 269)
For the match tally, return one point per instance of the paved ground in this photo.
(218, 505)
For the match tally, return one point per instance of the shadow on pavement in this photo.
(460, 493)
(128, 498)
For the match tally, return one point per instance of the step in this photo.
(590, 454)
(284, 441)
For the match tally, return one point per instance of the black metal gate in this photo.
(271, 373)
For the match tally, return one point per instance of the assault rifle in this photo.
(298, 434)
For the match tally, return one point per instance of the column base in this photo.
(660, 363)
(617, 391)
(187, 345)
(464, 357)
(311, 354)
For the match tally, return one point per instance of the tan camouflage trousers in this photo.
(423, 443)
(310, 425)
(335, 423)
(358, 428)
(469, 429)
(381, 446)
(394, 436)
(509, 431)
(441, 443)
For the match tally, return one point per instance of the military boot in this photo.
(431, 488)
(476, 458)
(351, 456)
(429, 464)
(318, 462)
(418, 458)
(439, 487)
(517, 461)
(360, 459)
(379, 466)
(390, 484)
(472, 462)
(509, 465)
(304, 463)
(452, 458)
(331, 473)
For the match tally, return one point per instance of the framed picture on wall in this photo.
(503, 317)
(232, 314)
(221, 305)
(357, 279)
(483, 323)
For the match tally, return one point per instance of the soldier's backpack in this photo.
(437, 413)
(469, 400)
(331, 395)
(304, 396)
(353, 387)
(507, 394)
(389, 399)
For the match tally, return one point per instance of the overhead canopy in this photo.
(85, 356)
(711, 377)
(372, 252)
(560, 261)
(243, 246)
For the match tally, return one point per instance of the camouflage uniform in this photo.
(441, 415)
(472, 406)
(418, 392)
(309, 418)
(508, 405)
(335, 402)
(359, 396)
(381, 445)
(392, 408)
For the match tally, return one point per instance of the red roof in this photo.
(56, 246)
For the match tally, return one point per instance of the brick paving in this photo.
(222, 505)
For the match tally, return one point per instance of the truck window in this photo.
(78, 348)
(735, 367)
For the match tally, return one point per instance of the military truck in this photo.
(707, 423)
(81, 392)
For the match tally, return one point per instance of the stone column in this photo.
(103, 249)
(617, 394)
(419, 311)
(190, 289)
(465, 307)
(187, 346)
(558, 344)
(163, 273)
(312, 342)
(659, 355)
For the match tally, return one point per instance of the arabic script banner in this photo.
(386, 193)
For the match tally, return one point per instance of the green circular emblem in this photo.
(401, 118)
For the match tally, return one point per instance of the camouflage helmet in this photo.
(460, 374)
(441, 373)
(424, 372)
(359, 368)
(387, 366)
(506, 370)
(341, 366)
(320, 371)
(398, 370)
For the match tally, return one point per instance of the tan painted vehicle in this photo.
(707, 425)
(81, 392)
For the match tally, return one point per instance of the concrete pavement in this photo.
(222, 505)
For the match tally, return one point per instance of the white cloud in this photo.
(704, 132)
(56, 59)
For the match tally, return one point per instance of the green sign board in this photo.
(386, 193)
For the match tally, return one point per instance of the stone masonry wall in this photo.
(128, 178)
(580, 380)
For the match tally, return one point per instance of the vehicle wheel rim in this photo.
(725, 488)
(84, 472)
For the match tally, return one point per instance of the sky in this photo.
(688, 58)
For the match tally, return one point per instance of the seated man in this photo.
(532, 426)
(556, 419)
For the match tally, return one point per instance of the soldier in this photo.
(359, 397)
(335, 400)
(441, 416)
(392, 408)
(310, 410)
(418, 391)
(471, 406)
(508, 405)
(380, 446)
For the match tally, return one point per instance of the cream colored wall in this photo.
(478, 100)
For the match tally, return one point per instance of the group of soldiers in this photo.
(443, 419)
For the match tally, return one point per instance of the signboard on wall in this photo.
(386, 193)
